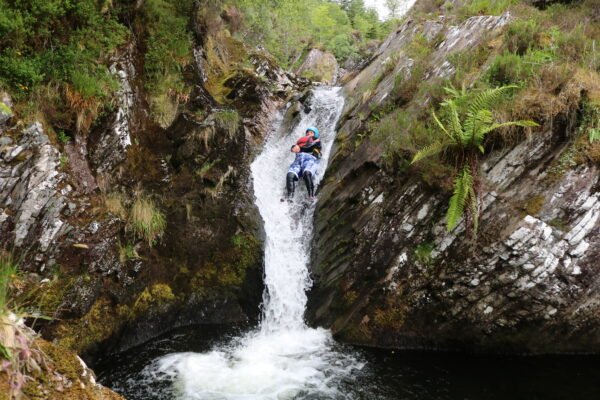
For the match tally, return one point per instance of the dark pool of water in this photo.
(389, 375)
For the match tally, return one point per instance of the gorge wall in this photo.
(387, 272)
(66, 205)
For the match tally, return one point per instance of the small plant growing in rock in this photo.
(146, 220)
(64, 161)
(114, 203)
(228, 120)
(127, 252)
(218, 189)
(591, 122)
(423, 253)
(63, 137)
(205, 168)
(463, 135)
(19, 356)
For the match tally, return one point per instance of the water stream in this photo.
(285, 359)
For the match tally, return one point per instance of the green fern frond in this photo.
(464, 134)
(463, 188)
(475, 124)
(488, 98)
(428, 151)
(456, 93)
(493, 127)
(441, 126)
(456, 129)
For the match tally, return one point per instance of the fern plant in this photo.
(462, 135)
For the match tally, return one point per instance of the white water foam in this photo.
(283, 359)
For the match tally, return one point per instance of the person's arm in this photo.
(310, 145)
(307, 149)
(313, 149)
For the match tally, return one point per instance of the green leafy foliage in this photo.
(510, 68)
(485, 7)
(423, 252)
(62, 137)
(466, 119)
(169, 51)
(63, 46)
(463, 193)
(287, 27)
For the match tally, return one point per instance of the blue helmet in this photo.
(315, 130)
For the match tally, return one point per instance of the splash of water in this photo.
(283, 359)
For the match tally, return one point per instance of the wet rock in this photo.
(299, 104)
(266, 68)
(319, 66)
(29, 183)
(5, 141)
(114, 139)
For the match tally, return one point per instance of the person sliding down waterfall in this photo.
(308, 151)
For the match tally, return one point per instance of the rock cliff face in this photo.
(388, 274)
(64, 204)
(320, 66)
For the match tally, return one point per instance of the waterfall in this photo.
(288, 227)
(283, 358)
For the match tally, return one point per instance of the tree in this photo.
(463, 135)
(393, 6)
(355, 8)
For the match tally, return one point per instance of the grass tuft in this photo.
(8, 269)
(146, 220)
(114, 203)
(228, 120)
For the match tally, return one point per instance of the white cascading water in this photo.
(283, 359)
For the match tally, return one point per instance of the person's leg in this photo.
(309, 173)
(308, 181)
(294, 171)
(290, 184)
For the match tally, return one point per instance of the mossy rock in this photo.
(5, 109)
(105, 319)
(319, 66)
(154, 297)
(65, 378)
(101, 321)
(5, 113)
(228, 271)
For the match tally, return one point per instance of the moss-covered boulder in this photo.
(64, 377)
(319, 66)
